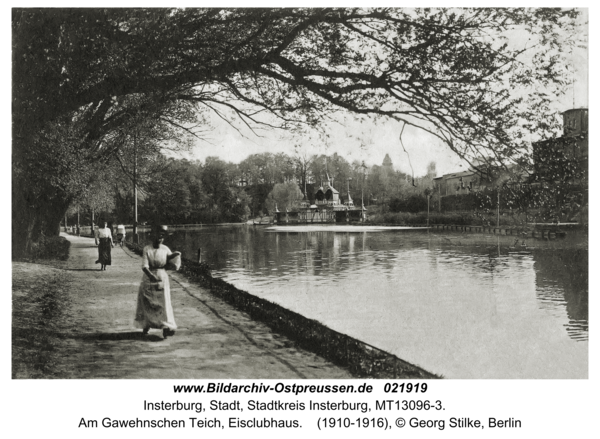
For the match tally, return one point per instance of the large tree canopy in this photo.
(460, 74)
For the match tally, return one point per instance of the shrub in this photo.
(412, 204)
(54, 247)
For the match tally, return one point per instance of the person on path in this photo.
(121, 234)
(105, 243)
(154, 308)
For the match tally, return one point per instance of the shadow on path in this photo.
(81, 269)
(117, 336)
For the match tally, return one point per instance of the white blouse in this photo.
(155, 257)
(103, 233)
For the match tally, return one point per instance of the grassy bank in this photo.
(47, 248)
(39, 306)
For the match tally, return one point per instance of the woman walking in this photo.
(105, 243)
(121, 234)
(154, 308)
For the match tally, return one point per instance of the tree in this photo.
(339, 170)
(302, 164)
(283, 196)
(286, 167)
(65, 159)
(215, 181)
(450, 72)
(431, 170)
(238, 208)
(556, 185)
(167, 197)
(47, 177)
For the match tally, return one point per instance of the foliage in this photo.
(284, 196)
(413, 204)
(182, 191)
(446, 70)
(555, 189)
(53, 247)
(468, 202)
(39, 309)
(90, 75)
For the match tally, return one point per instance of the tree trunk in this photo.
(53, 217)
(25, 230)
(33, 218)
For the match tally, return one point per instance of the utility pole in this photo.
(362, 188)
(135, 203)
(498, 220)
(428, 192)
(427, 210)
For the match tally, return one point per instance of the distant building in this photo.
(328, 208)
(575, 122)
(328, 197)
(464, 182)
(573, 144)
(387, 163)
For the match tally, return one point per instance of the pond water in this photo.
(460, 305)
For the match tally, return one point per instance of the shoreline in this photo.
(361, 359)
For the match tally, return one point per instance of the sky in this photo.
(368, 141)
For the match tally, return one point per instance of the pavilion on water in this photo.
(328, 208)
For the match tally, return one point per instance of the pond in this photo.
(462, 305)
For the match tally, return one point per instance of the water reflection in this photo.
(463, 305)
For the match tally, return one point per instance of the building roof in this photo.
(459, 174)
(329, 186)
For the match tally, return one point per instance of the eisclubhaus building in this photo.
(328, 208)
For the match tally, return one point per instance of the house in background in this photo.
(549, 156)
(573, 143)
(465, 182)
(552, 159)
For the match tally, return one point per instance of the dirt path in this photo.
(213, 340)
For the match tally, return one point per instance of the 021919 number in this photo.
(405, 387)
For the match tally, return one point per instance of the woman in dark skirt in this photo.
(105, 243)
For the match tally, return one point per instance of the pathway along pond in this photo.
(457, 304)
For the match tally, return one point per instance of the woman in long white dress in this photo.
(154, 308)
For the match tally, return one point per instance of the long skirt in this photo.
(154, 308)
(104, 251)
